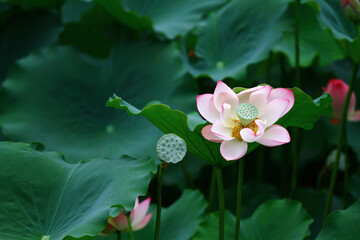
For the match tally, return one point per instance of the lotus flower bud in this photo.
(138, 219)
(338, 89)
(351, 10)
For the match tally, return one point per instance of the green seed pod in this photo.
(171, 148)
(246, 113)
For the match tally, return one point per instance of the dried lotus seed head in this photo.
(171, 148)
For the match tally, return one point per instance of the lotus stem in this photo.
(294, 149)
(346, 171)
(221, 203)
(239, 198)
(130, 227)
(295, 158)
(212, 189)
(297, 44)
(158, 211)
(340, 141)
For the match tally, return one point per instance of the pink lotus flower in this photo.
(245, 117)
(338, 89)
(138, 217)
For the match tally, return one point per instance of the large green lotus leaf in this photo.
(342, 224)
(42, 195)
(304, 114)
(23, 32)
(241, 33)
(29, 4)
(331, 17)
(174, 121)
(314, 41)
(90, 34)
(345, 33)
(57, 96)
(178, 222)
(273, 220)
(171, 18)
(72, 10)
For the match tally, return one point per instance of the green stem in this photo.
(130, 227)
(340, 141)
(239, 198)
(346, 172)
(297, 44)
(212, 189)
(295, 136)
(221, 204)
(295, 158)
(118, 233)
(158, 211)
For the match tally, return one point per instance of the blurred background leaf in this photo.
(237, 35)
(342, 224)
(57, 96)
(172, 18)
(42, 195)
(275, 219)
(23, 32)
(35, 3)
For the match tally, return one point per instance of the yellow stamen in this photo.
(236, 130)
(238, 127)
(253, 127)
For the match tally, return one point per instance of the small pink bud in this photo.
(351, 10)
(138, 217)
(338, 89)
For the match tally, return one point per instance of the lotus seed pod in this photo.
(171, 148)
(246, 113)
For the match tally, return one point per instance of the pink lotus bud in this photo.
(138, 217)
(338, 89)
(351, 9)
